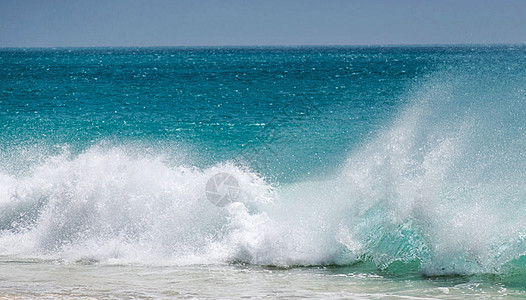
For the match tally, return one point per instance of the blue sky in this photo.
(59, 23)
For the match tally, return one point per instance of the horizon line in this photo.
(272, 46)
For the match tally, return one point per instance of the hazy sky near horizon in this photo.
(82, 23)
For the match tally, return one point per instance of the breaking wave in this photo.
(443, 185)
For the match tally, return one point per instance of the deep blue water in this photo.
(213, 102)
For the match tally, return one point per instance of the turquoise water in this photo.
(347, 167)
(212, 102)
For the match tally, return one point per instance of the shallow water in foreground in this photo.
(52, 279)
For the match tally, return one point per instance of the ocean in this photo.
(263, 172)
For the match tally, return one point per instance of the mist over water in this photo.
(444, 185)
(439, 184)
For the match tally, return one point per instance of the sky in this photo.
(96, 23)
